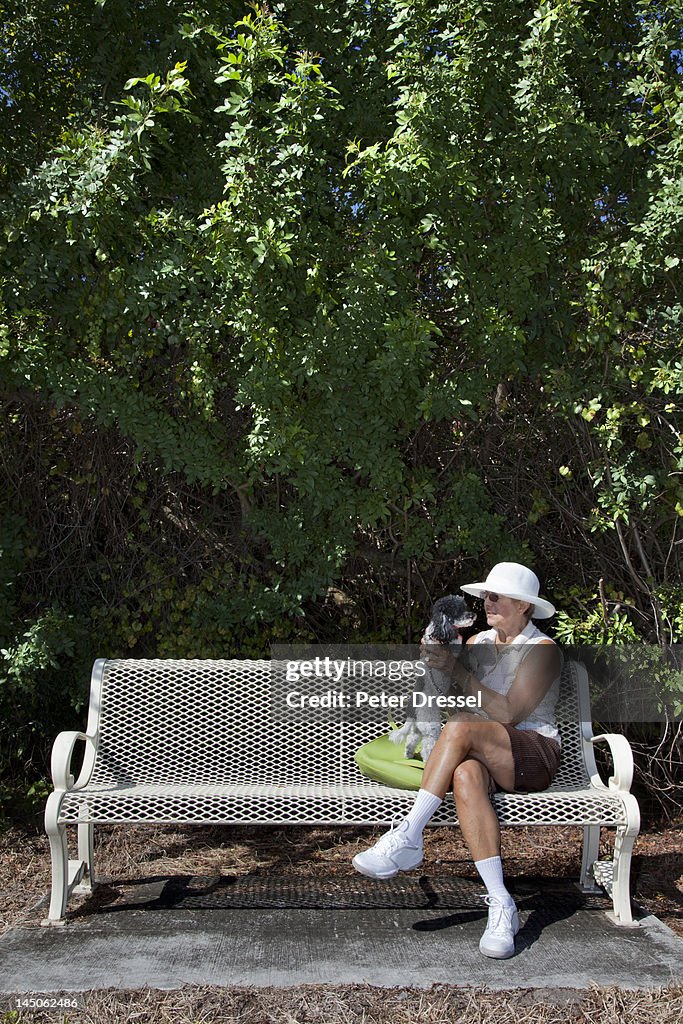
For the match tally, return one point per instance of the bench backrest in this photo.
(212, 722)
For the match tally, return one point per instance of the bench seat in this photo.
(318, 804)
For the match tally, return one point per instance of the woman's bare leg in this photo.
(469, 737)
(468, 754)
(476, 816)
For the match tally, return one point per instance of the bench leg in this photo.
(85, 856)
(59, 853)
(591, 852)
(621, 866)
(621, 892)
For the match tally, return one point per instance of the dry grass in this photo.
(363, 1004)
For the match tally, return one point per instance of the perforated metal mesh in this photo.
(197, 741)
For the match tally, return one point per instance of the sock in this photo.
(423, 809)
(491, 871)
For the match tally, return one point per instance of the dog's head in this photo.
(450, 615)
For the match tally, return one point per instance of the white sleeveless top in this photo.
(496, 667)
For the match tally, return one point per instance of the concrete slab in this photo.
(163, 933)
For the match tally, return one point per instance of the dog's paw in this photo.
(429, 732)
(400, 735)
(408, 734)
(412, 743)
(426, 748)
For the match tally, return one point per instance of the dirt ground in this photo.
(124, 854)
(363, 1004)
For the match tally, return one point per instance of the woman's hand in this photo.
(439, 657)
(446, 659)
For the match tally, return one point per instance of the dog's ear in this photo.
(452, 605)
(455, 610)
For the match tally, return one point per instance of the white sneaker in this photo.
(393, 852)
(498, 940)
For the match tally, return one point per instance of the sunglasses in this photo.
(490, 596)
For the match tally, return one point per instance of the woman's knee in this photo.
(462, 735)
(458, 728)
(470, 777)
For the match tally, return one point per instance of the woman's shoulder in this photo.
(533, 635)
(539, 639)
(487, 636)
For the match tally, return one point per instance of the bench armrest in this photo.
(62, 752)
(622, 756)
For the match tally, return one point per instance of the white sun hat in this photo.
(510, 579)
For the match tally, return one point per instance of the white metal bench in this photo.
(197, 742)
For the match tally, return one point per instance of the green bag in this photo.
(385, 762)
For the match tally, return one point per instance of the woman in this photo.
(514, 745)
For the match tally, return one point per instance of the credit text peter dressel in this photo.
(382, 699)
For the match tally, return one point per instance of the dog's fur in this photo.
(450, 615)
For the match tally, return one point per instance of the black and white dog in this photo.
(450, 616)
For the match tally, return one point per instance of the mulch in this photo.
(124, 854)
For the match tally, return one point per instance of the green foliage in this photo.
(309, 312)
(595, 629)
(47, 650)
